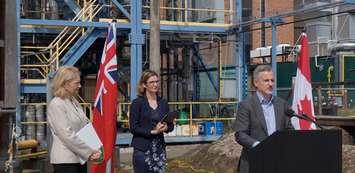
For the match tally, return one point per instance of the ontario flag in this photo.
(104, 109)
(302, 96)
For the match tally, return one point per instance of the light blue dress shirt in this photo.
(269, 113)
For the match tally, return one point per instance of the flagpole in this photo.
(105, 105)
(302, 102)
(273, 55)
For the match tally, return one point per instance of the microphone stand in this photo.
(305, 117)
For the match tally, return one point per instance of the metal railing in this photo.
(36, 62)
(86, 108)
(184, 12)
(69, 34)
(123, 112)
(47, 58)
(191, 125)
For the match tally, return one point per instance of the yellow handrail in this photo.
(76, 18)
(192, 122)
(190, 104)
(31, 155)
(61, 45)
(66, 30)
(86, 108)
(34, 69)
(182, 8)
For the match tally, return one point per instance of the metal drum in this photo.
(39, 113)
(40, 133)
(41, 128)
(30, 131)
(30, 113)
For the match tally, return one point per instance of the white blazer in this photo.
(65, 118)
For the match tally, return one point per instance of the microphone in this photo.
(290, 113)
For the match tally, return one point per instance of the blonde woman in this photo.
(66, 117)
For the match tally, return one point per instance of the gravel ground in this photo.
(220, 156)
(176, 154)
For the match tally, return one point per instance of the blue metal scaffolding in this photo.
(93, 29)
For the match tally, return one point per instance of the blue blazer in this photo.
(141, 122)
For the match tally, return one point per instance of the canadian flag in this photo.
(302, 95)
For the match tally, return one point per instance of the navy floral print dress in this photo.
(149, 155)
(155, 156)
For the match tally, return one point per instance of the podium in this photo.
(298, 151)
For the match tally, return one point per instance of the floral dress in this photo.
(155, 156)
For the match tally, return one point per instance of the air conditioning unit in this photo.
(281, 49)
(319, 47)
(260, 52)
(323, 49)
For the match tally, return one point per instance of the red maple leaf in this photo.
(304, 107)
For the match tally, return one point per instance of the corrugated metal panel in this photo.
(318, 30)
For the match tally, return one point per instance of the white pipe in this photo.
(341, 46)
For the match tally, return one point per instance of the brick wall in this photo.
(285, 33)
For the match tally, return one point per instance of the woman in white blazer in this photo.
(65, 118)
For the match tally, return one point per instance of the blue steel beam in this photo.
(40, 22)
(123, 10)
(33, 88)
(137, 40)
(73, 6)
(274, 22)
(40, 30)
(189, 29)
(80, 46)
(164, 28)
(350, 1)
(241, 67)
(120, 25)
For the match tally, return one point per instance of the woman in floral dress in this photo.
(146, 113)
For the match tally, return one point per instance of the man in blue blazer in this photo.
(259, 115)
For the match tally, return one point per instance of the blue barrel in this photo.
(211, 128)
(219, 128)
